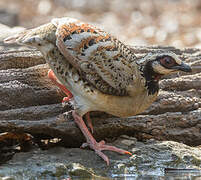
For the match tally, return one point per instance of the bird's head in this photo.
(157, 64)
(162, 63)
(42, 37)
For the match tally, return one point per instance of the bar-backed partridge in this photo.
(98, 72)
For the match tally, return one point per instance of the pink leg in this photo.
(89, 123)
(54, 79)
(91, 142)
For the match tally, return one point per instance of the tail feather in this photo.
(15, 38)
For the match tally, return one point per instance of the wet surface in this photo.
(150, 160)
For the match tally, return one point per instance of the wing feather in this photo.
(97, 55)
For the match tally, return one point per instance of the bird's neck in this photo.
(46, 49)
(152, 78)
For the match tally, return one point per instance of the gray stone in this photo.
(151, 159)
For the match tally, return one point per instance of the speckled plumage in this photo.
(102, 73)
(106, 76)
(101, 58)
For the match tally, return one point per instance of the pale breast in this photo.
(126, 106)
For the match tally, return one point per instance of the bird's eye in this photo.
(167, 61)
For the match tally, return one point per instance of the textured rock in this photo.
(31, 103)
(151, 160)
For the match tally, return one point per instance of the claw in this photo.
(84, 145)
(103, 156)
(66, 99)
(129, 153)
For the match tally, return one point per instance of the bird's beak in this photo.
(183, 67)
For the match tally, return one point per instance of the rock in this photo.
(151, 159)
(78, 170)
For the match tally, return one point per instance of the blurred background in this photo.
(135, 22)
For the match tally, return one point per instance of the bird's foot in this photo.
(66, 99)
(98, 147)
(92, 143)
(68, 102)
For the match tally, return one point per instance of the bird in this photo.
(98, 72)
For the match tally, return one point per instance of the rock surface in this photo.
(152, 160)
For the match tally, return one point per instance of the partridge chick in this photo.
(98, 72)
